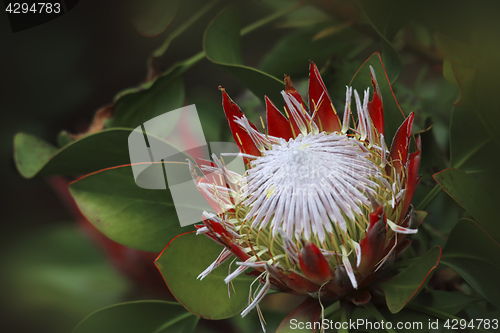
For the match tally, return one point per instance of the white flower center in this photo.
(305, 185)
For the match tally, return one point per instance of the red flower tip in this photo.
(375, 107)
(314, 264)
(374, 242)
(413, 177)
(290, 89)
(241, 136)
(277, 124)
(320, 104)
(401, 143)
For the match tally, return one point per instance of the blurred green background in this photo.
(55, 76)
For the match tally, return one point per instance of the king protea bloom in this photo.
(324, 204)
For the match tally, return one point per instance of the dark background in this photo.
(54, 77)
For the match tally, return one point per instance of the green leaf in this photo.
(303, 17)
(138, 106)
(432, 161)
(486, 78)
(35, 157)
(473, 254)
(387, 17)
(63, 138)
(433, 158)
(464, 77)
(308, 311)
(195, 17)
(222, 38)
(448, 73)
(393, 115)
(471, 153)
(483, 310)
(222, 46)
(139, 316)
(457, 52)
(155, 16)
(469, 191)
(403, 287)
(140, 218)
(445, 301)
(375, 313)
(31, 154)
(211, 113)
(292, 54)
(476, 74)
(184, 259)
(55, 276)
(459, 66)
(415, 321)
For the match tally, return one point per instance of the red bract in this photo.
(323, 207)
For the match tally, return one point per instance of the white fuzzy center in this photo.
(305, 185)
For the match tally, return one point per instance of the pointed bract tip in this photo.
(192, 170)
(312, 65)
(372, 73)
(313, 263)
(289, 88)
(418, 143)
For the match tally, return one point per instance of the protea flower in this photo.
(323, 206)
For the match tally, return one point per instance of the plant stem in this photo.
(163, 47)
(429, 197)
(343, 317)
(173, 321)
(332, 309)
(249, 28)
(373, 310)
(270, 18)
